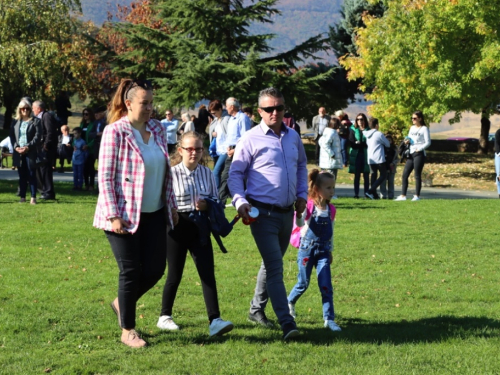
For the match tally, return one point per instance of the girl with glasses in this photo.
(419, 139)
(193, 183)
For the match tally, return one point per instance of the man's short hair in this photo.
(271, 92)
(40, 104)
(373, 122)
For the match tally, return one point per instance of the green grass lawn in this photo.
(416, 291)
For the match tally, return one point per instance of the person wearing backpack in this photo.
(314, 238)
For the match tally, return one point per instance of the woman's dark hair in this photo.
(364, 117)
(420, 115)
(334, 123)
(90, 117)
(214, 105)
(247, 110)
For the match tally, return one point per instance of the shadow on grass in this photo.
(402, 332)
(426, 330)
(475, 175)
(441, 186)
(455, 157)
(356, 206)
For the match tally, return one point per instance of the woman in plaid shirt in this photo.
(135, 184)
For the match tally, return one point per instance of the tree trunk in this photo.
(483, 137)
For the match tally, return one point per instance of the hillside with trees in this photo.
(298, 21)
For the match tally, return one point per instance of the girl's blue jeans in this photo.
(314, 254)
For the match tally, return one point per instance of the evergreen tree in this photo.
(208, 52)
(343, 35)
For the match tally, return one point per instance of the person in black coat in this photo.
(49, 146)
(25, 137)
(63, 105)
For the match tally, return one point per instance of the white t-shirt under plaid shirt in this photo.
(191, 186)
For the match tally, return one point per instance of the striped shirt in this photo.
(191, 186)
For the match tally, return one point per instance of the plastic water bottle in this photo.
(299, 221)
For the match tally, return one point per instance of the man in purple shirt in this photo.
(271, 159)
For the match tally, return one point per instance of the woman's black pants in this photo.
(415, 162)
(141, 259)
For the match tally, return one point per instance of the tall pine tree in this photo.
(208, 52)
(343, 35)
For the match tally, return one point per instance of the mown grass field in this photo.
(416, 291)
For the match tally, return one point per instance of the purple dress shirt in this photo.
(275, 167)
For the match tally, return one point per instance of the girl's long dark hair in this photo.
(420, 115)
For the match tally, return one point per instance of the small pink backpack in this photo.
(295, 237)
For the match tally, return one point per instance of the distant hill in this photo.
(300, 19)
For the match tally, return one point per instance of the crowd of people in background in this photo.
(339, 143)
(370, 154)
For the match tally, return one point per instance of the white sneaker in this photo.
(166, 322)
(400, 198)
(291, 306)
(332, 325)
(219, 327)
(415, 198)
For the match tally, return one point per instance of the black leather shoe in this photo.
(290, 331)
(260, 318)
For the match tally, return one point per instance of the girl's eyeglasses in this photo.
(192, 149)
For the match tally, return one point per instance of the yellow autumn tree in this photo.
(432, 55)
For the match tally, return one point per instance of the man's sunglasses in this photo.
(145, 84)
(278, 108)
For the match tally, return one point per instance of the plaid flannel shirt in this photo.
(121, 175)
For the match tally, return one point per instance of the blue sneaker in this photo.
(219, 327)
(332, 325)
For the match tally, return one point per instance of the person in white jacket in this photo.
(419, 139)
(330, 155)
(375, 141)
